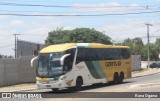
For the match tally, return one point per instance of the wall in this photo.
(15, 71)
(136, 62)
(2, 73)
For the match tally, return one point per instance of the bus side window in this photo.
(125, 53)
(90, 55)
(68, 62)
(83, 54)
(72, 52)
(108, 54)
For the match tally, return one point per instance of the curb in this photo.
(150, 84)
(24, 90)
(145, 85)
(146, 74)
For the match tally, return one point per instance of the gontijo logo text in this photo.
(115, 63)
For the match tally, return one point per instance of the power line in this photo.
(49, 1)
(152, 10)
(70, 12)
(87, 1)
(71, 6)
(73, 15)
(55, 1)
(67, 6)
(33, 5)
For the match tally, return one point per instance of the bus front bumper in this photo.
(50, 85)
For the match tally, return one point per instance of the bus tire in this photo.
(115, 81)
(121, 77)
(55, 89)
(79, 83)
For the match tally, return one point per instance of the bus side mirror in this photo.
(63, 58)
(32, 61)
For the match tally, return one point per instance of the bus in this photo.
(73, 65)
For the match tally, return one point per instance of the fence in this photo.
(15, 71)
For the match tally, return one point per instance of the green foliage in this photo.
(138, 48)
(86, 35)
(78, 35)
(5, 56)
(153, 52)
(129, 42)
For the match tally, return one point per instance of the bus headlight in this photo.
(62, 77)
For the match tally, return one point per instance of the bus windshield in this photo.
(49, 65)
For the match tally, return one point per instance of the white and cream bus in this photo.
(80, 64)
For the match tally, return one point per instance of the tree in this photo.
(144, 54)
(138, 46)
(153, 52)
(129, 42)
(57, 36)
(5, 56)
(1, 56)
(157, 45)
(78, 35)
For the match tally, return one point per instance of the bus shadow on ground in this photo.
(85, 88)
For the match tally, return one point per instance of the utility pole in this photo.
(148, 39)
(15, 44)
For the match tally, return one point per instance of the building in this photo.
(26, 48)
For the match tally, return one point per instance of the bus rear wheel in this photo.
(55, 89)
(79, 83)
(121, 77)
(116, 79)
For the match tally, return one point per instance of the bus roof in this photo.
(63, 47)
(98, 45)
(57, 48)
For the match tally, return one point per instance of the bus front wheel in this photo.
(55, 89)
(121, 77)
(79, 83)
(116, 78)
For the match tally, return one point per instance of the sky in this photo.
(118, 19)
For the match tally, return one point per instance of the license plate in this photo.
(48, 85)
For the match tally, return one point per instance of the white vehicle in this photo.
(80, 64)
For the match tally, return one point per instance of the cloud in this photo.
(34, 31)
(106, 7)
(16, 23)
(4, 17)
(130, 29)
(38, 31)
(158, 1)
(67, 28)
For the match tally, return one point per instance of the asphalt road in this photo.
(125, 87)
